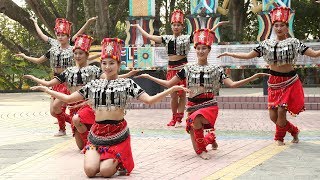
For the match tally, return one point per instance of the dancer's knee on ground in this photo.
(91, 171)
(108, 168)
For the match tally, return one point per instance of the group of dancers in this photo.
(98, 96)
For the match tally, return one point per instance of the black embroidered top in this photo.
(79, 77)
(177, 45)
(111, 93)
(203, 79)
(281, 52)
(59, 58)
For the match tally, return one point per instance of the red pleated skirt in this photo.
(120, 152)
(209, 113)
(290, 97)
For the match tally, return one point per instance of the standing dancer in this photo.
(82, 116)
(178, 47)
(60, 56)
(109, 148)
(203, 81)
(285, 91)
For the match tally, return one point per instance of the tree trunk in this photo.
(72, 14)
(157, 22)
(16, 13)
(11, 45)
(53, 9)
(89, 8)
(102, 25)
(236, 15)
(43, 13)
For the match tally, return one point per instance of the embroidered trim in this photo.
(212, 102)
(284, 84)
(110, 140)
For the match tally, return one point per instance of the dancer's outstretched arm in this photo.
(248, 55)
(74, 97)
(32, 59)
(40, 33)
(84, 27)
(146, 98)
(234, 84)
(175, 80)
(157, 39)
(50, 83)
(312, 53)
(129, 74)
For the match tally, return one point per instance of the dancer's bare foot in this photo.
(178, 124)
(60, 133)
(280, 143)
(204, 155)
(295, 138)
(214, 145)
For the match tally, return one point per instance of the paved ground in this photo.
(246, 150)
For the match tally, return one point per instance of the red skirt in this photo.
(291, 97)
(173, 73)
(210, 113)
(120, 151)
(86, 115)
(61, 88)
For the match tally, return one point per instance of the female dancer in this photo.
(178, 47)
(203, 81)
(60, 55)
(82, 116)
(108, 147)
(285, 91)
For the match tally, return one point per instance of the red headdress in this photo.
(83, 42)
(111, 48)
(203, 36)
(63, 26)
(177, 17)
(280, 14)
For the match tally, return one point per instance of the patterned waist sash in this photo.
(284, 84)
(194, 107)
(116, 138)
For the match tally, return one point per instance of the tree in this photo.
(110, 13)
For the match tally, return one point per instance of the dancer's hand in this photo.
(134, 25)
(258, 75)
(34, 20)
(40, 88)
(133, 72)
(28, 77)
(179, 88)
(20, 55)
(224, 54)
(143, 76)
(222, 22)
(92, 19)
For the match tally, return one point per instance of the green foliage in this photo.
(307, 19)
(13, 68)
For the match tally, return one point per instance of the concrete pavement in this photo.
(28, 149)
